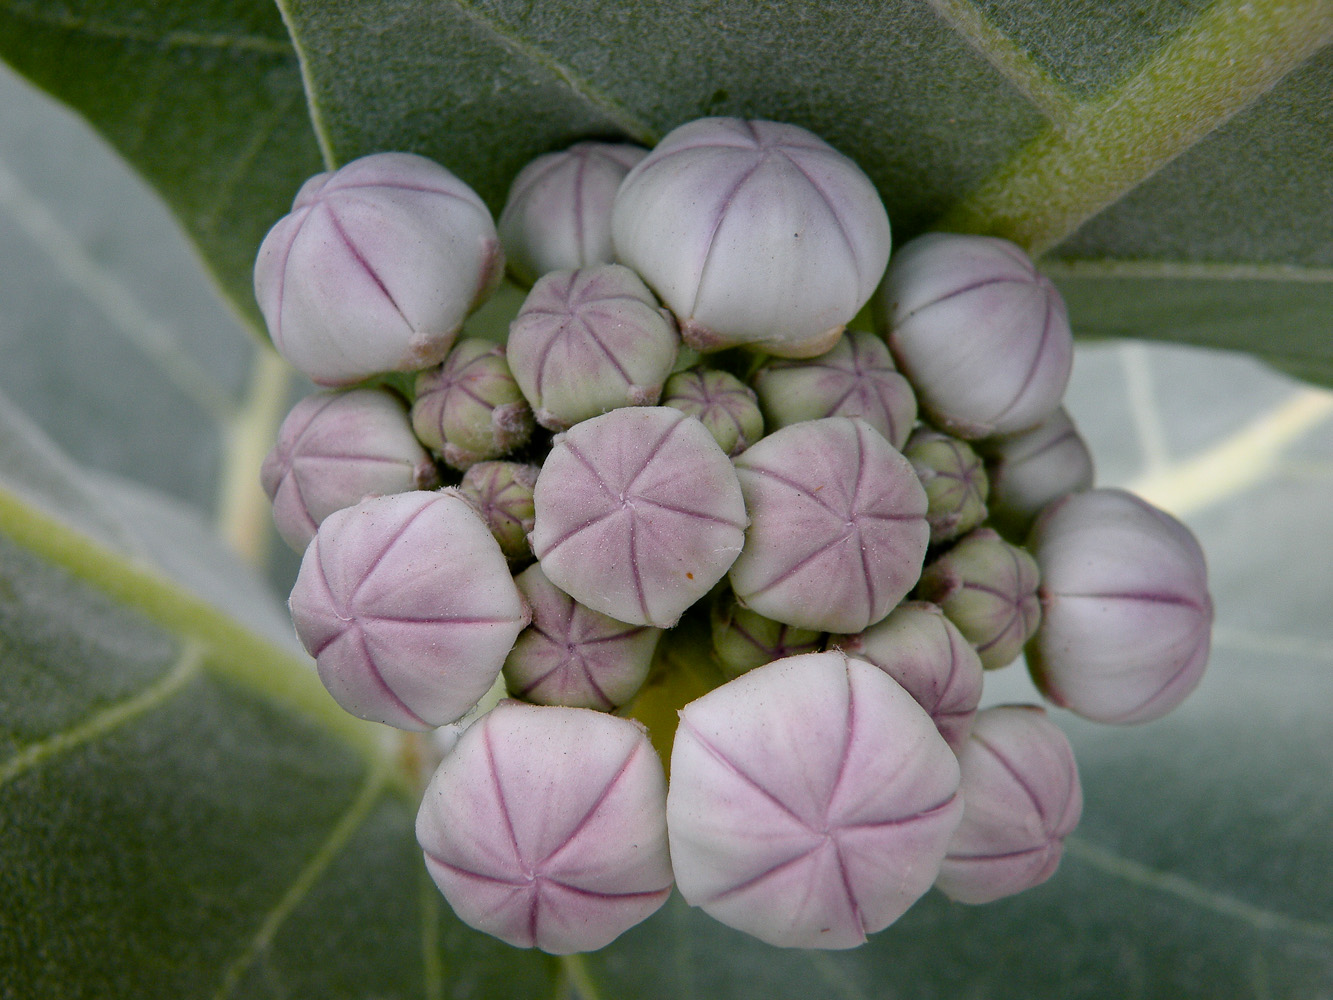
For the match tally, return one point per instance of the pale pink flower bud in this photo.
(408, 607)
(924, 652)
(335, 449)
(855, 379)
(470, 408)
(988, 588)
(558, 214)
(588, 341)
(375, 268)
(572, 655)
(1127, 617)
(546, 827)
(639, 513)
(838, 526)
(1021, 798)
(753, 232)
(1030, 469)
(502, 494)
(722, 402)
(983, 338)
(743, 639)
(955, 483)
(811, 801)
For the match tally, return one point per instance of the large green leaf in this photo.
(1150, 150)
(205, 99)
(183, 810)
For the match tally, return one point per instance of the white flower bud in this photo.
(753, 232)
(983, 338)
(558, 214)
(1126, 614)
(1021, 798)
(408, 607)
(838, 526)
(1030, 469)
(588, 341)
(546, 827)
(375, 268)
(811, 801)
(639, 513)
(335, 449)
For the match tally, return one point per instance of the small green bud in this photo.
(855, 379)
(722, 402)
(502, 494)
(988, 588)
(744, 639)
(955, 482)
(470, 408)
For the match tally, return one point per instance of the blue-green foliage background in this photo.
(182, 811)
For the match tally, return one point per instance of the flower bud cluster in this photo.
(680, 473)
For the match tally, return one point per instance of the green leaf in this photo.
(205, 100)
(1128, 146)
(185, 811)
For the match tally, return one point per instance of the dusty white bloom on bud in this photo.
(1030, 469)
(983, 338)
(955, 482)
(502, 494)
(588, 341)
(639, 513)
(572, 655)
(924, 652)
(753, 232)
(470, 409)
(558, 214)
(988, 588)
(743, 639)
(1127, 617)
(408, 607)
(375, 268)
(1021, 798)
(546, 827)
(335, 449)
(811, 801)
(855, 379)
(722, 402)
(838, 526)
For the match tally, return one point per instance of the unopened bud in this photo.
(639, 513)
(753, 232)
(837, 526)
(588, 341)
(855, 379)
(1127, 617)
(983, 338)
(1021, 798)
(722, 403)
(811, 801)
(572, 655)
(744, 639)
(335, 449)
(502, 494)
(924, 652)
(955, 483)
(408, 607)
(546, 827)
(988, 588)
(375, 268)
(470, 408)
(1030, 469)
(558, 214)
